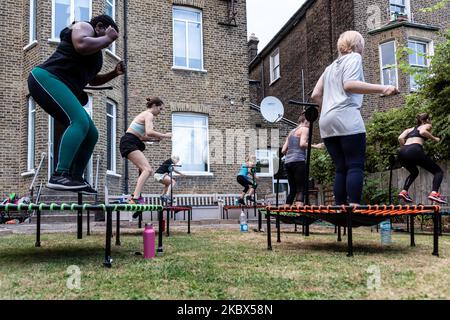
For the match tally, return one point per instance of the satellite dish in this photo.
(272, 109)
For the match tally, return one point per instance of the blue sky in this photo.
(266, 17)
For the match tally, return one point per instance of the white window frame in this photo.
(270, 156)
(113, 116)
(174, 66)
(54, 37)
(31, 135)
(112, 3)
(273, 55)
(407, 8)
(32, 22)
(189, 114)
(395, 66)
(429, 48)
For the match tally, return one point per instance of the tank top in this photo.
(72, 68)
(139, 128)
(295, 153)
(243, 171)
(415, 133)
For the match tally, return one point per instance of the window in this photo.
(111, 114)
(398, 6)
(33, 10)
(64, 12)
(187, 38)
(110, 10)
(417, 59)
(388, 64)
(275, 65)
(190, 142)
(31, 134)
(265, 159)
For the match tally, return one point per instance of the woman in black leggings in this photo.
(411, 155)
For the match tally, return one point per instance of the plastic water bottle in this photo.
(149, 241)
(243, 221)
(385, 232)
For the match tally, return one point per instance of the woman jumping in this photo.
(245, 179)
(132, 145)
(162, 175)
(340, 92)
(411, 155)
(57, 86)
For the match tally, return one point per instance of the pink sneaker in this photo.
(435, 196)
(405, 196)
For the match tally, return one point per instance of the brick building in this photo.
(289, 66)
(191, 53)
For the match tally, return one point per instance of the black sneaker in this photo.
(64, 181)
(87, 187)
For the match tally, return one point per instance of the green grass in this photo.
(226, 264)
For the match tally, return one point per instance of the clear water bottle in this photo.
(243, 222)
(385, 232)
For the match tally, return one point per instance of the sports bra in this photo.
(415, 133)
(139, 128)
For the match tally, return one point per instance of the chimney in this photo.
(252, 45)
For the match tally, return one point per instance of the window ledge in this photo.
(189, 69)
(199, 174)
(113, 174)
(112, 54)
(274, 81)
(31, 45)
(28, 173)
(54, 40)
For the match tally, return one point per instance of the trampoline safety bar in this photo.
(354, 216)
(88, 207)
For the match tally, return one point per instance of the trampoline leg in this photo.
(440, 224)
(295, 227)
(306, 227)
(339, 239)
(88, 222)
(269, 237)
(345, 231)
(140, 220)
(335, 229)
(80, 217)
(168, 219)
(349, 235)
(189, 221)
(436, 218)
(160, 227)
(411, 228)
(278, 228)
(259, 220)
(118, 228)
(108, 260)
(303, 228)
(38, 229)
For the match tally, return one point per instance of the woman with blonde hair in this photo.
(245, 179)
(340, 91)
(162, 175)
(411, 155)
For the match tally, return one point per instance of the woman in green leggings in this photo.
(57, 86)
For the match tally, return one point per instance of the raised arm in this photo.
(402, 137)
(85, 42)
(106, 77)
(360, 87)
(425, 132)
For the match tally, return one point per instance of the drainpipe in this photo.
(125, 85)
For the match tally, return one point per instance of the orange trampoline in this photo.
(352, 217)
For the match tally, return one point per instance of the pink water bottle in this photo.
(149, 241)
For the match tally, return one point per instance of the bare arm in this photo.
(285, 146)
(85, 42)
(402, 137)
(304, 138)
(150, 133)
(360, 87)
(317, 94)
(104, 78)
(425, 132)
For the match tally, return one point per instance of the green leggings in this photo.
(81, 135)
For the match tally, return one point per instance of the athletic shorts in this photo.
(129, 143)
(159, 176)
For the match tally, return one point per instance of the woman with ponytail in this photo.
(411, 155)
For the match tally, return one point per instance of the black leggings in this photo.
(296, 178)
(243, 181)
(411, 156)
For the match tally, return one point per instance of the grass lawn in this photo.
(223, 263)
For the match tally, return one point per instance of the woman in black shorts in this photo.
(411, 155)
(132, 144)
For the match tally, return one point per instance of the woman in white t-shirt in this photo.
(340, 91)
